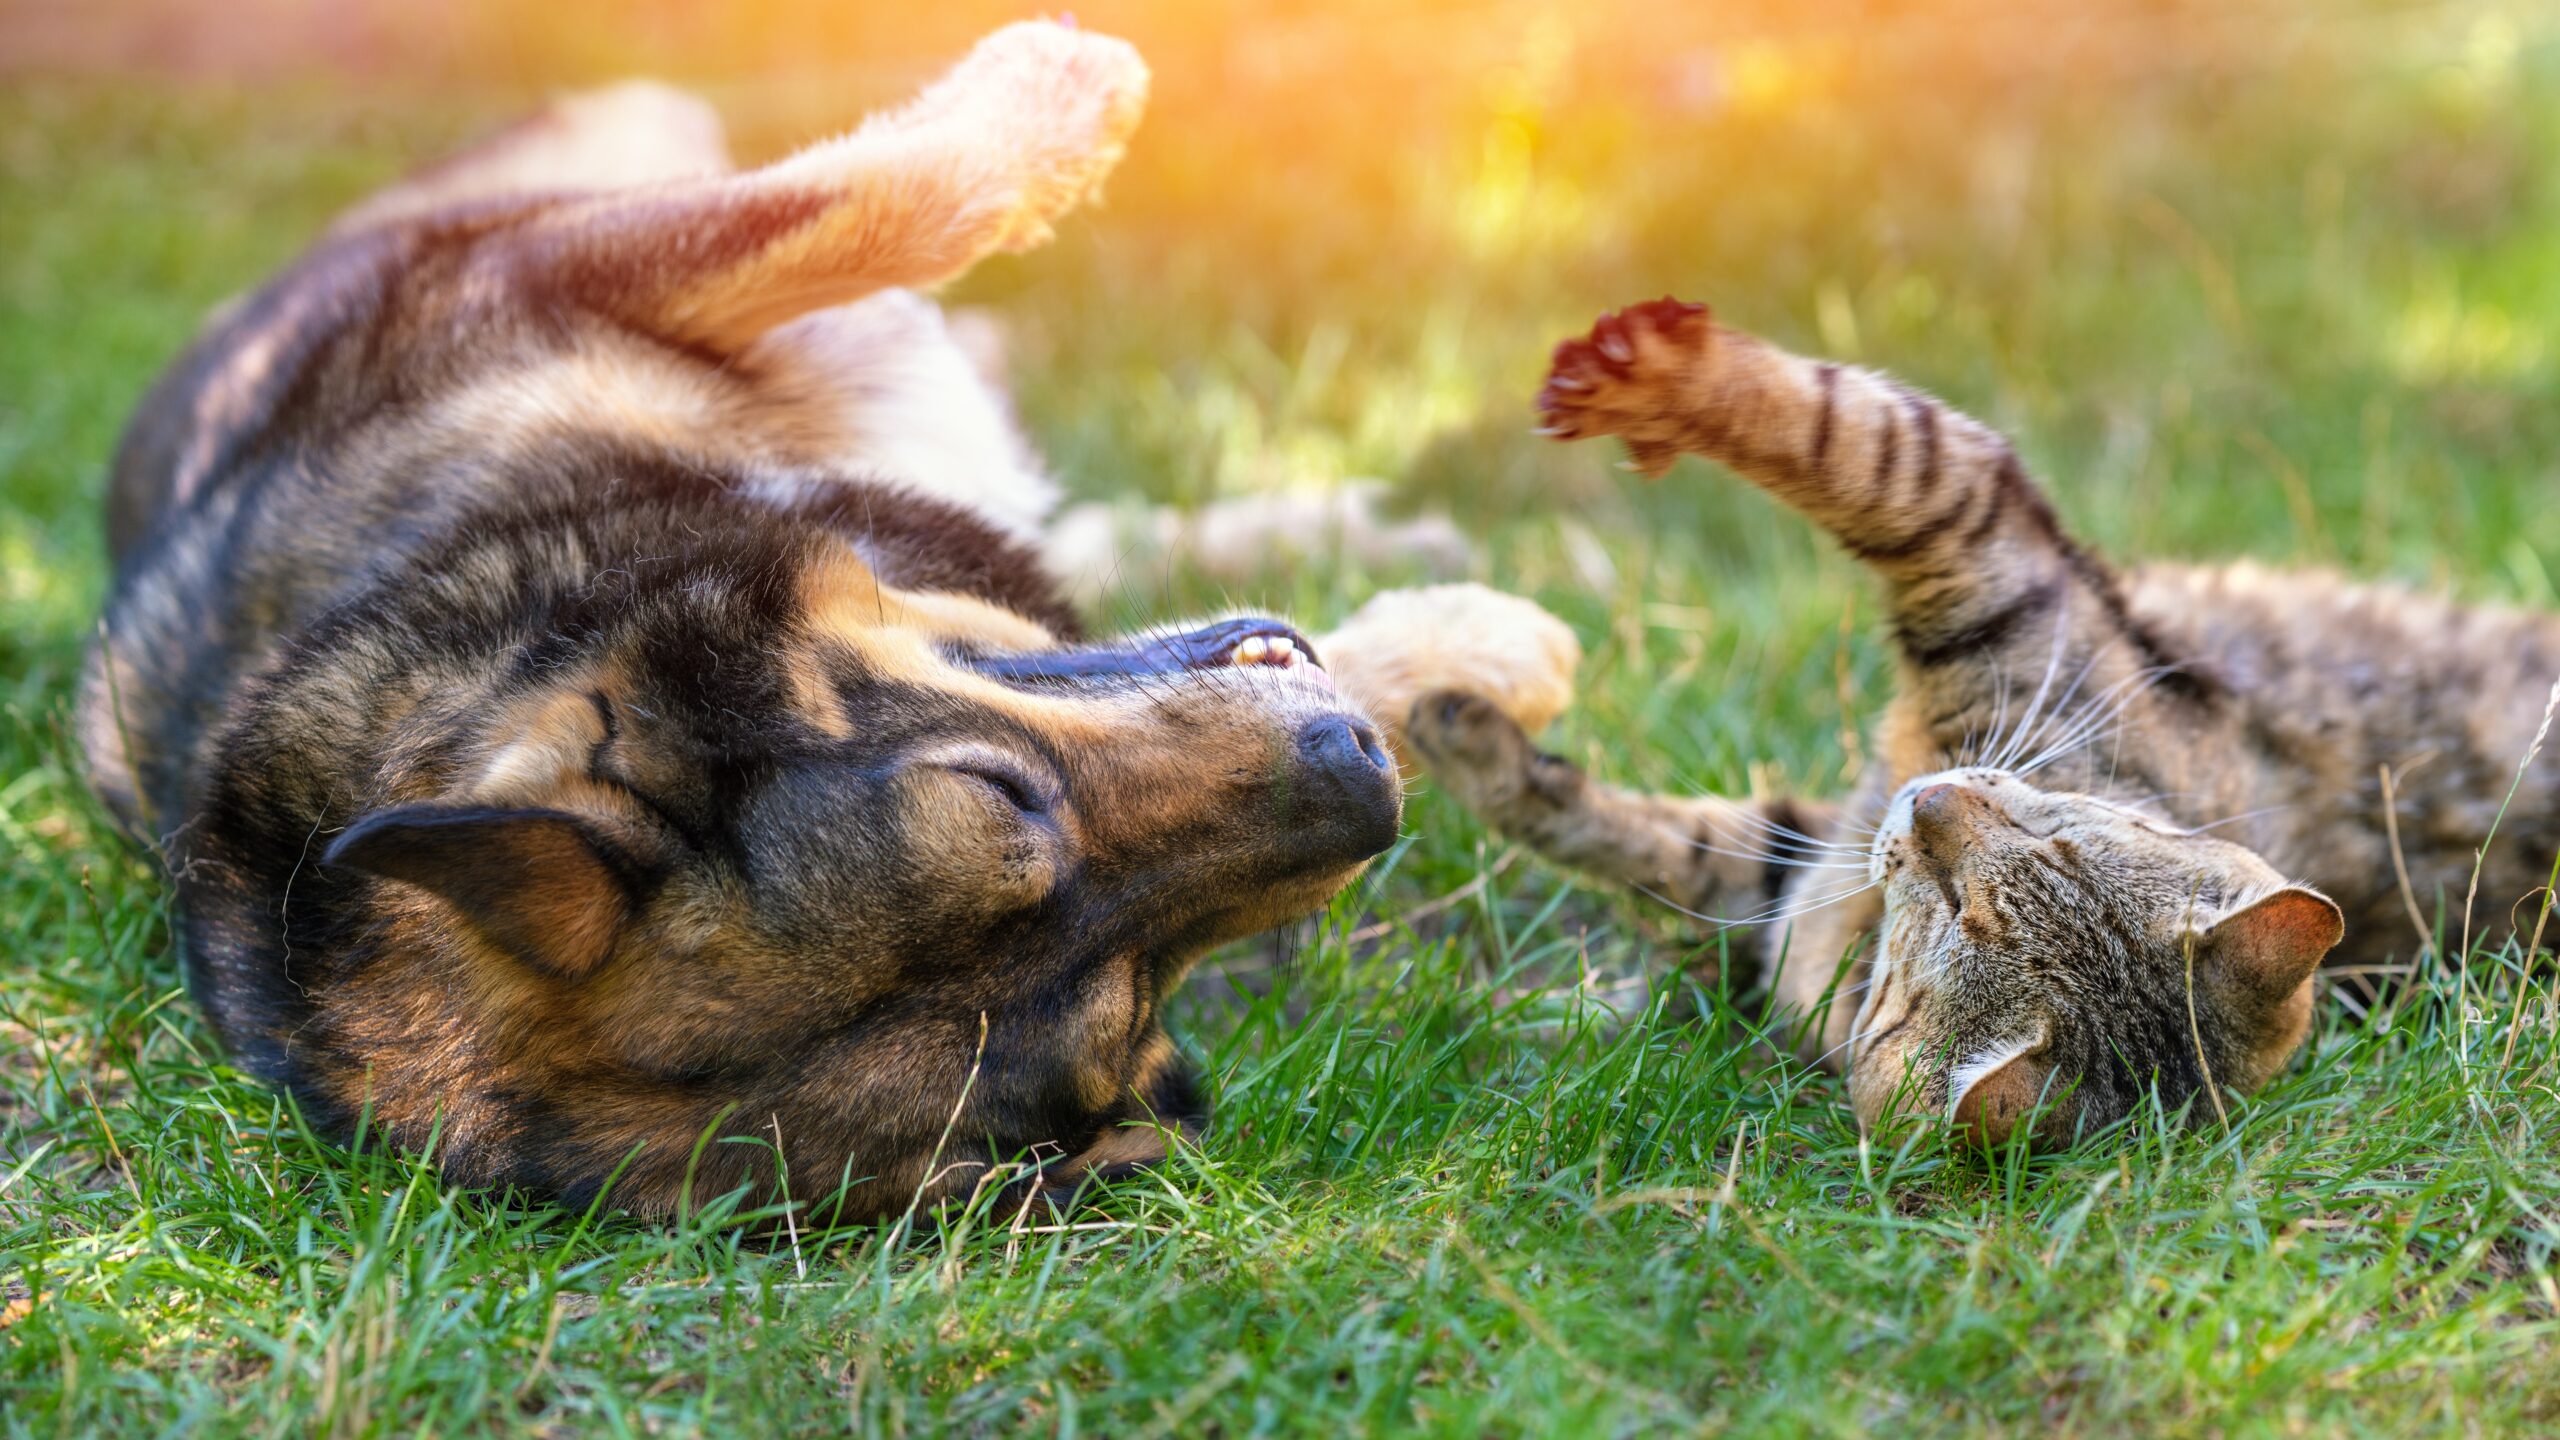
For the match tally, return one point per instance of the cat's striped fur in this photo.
(2087, 778)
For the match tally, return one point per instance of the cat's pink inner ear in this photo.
(1993, 1104)
(2268, 948)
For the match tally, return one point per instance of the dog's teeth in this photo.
(1280, 652)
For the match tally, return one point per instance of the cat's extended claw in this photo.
(1610, 338)
(1649, 458)
(1625, 378)
(1674, 318)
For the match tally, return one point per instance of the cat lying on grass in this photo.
(2120, 819)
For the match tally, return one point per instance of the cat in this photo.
(2119, 819)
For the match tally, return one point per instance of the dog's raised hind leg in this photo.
(983, 161)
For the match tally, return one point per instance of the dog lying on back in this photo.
(578, 646)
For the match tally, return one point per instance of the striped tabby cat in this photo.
(2086, 864)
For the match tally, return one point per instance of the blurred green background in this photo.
(2266, 277)
(2273, 278)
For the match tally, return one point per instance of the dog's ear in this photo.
(1118, 1153)
(545, 886)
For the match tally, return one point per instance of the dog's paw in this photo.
(1634, 376)
(1061, 103)
(1485, 761)
(1406, 644)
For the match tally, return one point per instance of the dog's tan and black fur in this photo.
(577, 646)
(2067, 878)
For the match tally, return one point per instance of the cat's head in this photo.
(2062, 949)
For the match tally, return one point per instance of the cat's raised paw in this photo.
(1628, 377)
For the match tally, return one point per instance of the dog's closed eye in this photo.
(1008, 784)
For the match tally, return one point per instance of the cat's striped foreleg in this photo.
(1985, 587)
(1723, 861)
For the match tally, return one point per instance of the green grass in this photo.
(2254, 285)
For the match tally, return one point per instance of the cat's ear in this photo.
(545, 886)
(2264, 950)
(1994, 1093)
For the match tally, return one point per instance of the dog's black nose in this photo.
(1353, 799)
(1346, 749)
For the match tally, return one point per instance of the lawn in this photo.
(2262, 278)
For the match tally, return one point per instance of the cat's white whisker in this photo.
(1791, 908)
(2052, 666)
(1794, 846)
(2104, 711)
(1778, 849)
(1999, 723)
(1818, 1061)
(2242, 818)
(2060, 715)
(1792, 862)
(1789, 833)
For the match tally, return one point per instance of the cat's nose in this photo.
(1941, 804)
(1943, 819)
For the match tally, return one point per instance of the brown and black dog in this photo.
(586, 670)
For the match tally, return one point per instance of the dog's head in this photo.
(782, 844)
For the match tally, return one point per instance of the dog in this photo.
(580, 649)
